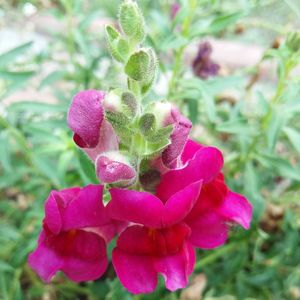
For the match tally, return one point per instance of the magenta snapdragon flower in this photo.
(158, 242)
(217, 206)
(192, 208)
(75, 231)
(96, 136)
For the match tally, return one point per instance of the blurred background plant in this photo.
(247, 105)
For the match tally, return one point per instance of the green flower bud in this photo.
(147, 124)
(141, 66)
(130, 103)
(131, 21)
(293, 41)
(117, 46)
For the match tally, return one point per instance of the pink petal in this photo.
(211, 197)
(179, 135)
(88, 260)
(86, 210)
(144, 208)
(127, 241)
(206, 165)
(108, 141)
(85, 117)
(176, 268)
(180, 204)
(208, 231)
(136, 272)
(55, 205)
(236, 208)
(133, 206)
(111, 171)
(190, 149)
(44, 260)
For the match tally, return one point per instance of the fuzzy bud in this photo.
(132, 21)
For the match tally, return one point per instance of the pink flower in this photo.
(166, 115)
(178, 137)
(75, 231)
(159, 241)
(96, 136)
(217, 206)
(203, 66)
(175, 9)
(112, 167)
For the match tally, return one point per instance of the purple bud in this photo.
(203, 66)
(113, 167)
(174, 9)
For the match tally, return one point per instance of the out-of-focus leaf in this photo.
(238, 126)
(5, 267)
(274, 128)
(11, 55)
(47, 168)
(251, 188)
(282, 166)
(5, 153)
(223, 21)
(87, 166)
(38, 107)
(193, 110)
(51, 78)
(293, 136)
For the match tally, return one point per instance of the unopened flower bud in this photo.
(132, 21)
(114, 167)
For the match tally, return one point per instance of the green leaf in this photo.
(38, 107)
(5, 151)
(293, 136)
(282, 166)
(223, 21)
(251, 180)
(11, 55)
(117, 46)
(274, 128)
(87, 166)
(51, 78)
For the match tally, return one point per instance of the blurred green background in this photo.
(49, 50)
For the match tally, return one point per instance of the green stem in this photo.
(178, 54)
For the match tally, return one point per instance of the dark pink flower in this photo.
(203, 66)
(112, 167)
(158, 243)
(175, 9)
(85, 117)
(75, 231)
(217, 206)
(96, 136)
(178, 137)
(166, 115)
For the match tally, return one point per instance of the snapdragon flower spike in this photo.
(163, 245)
(217, 206)
(86, 118)
(75, 231)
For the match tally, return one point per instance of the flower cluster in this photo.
(167, 194)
